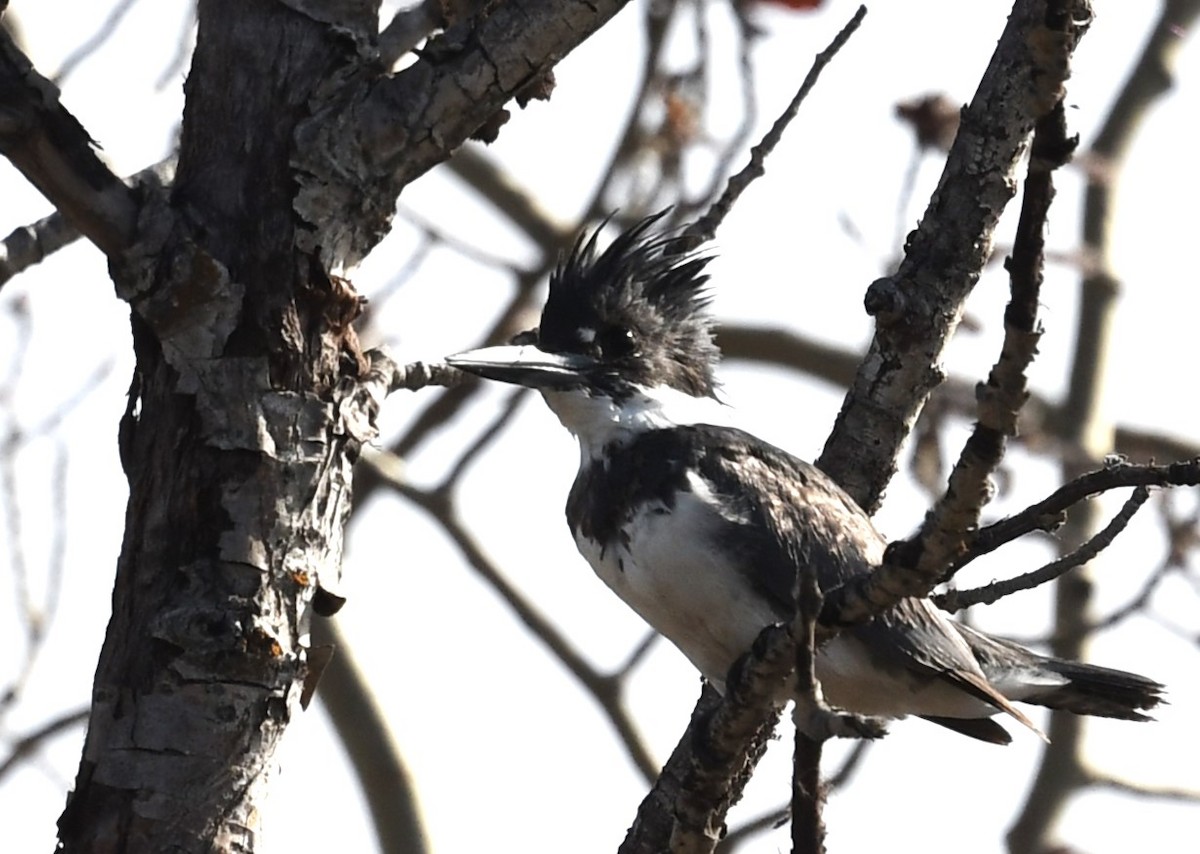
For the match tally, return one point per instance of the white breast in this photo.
(670, 573)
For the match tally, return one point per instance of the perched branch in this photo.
(859, 600)
(943, 536)
(727, 738)
(815, 722)
(724, 741)
(915, 567)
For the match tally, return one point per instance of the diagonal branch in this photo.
(956, 600)
(53, 151)
(918, 308)
(369, 138)
(31, 244)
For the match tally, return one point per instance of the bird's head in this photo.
(617, 324)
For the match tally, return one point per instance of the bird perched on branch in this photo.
(701, 528)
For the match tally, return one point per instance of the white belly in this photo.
(679, 584)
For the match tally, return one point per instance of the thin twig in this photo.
(705, 227)
(27, 744)
(482, 442)
(96, 40)
(1047, 514)
(1145, 790)
(956, 600)
(861, 598)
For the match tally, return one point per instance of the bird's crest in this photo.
(641, 305)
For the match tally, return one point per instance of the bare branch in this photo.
(860, 599)
(53, 151)
(109, 26)
(815, 722)
(413, 376)
(918, 308)
(1048, 513)
(726, 737)
(27, 744)
(706, 226)
(1144, 790)
(372, 137)
(31, 244)
(956, 600)
(362, 727)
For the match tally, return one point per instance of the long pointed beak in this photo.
(525, 365)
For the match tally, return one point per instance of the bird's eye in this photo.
(616, 342)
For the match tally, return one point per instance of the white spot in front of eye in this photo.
(585, 335)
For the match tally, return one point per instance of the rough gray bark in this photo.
(251, 398)
(917, 309)
(238, 451)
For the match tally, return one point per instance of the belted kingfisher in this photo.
(701, 527)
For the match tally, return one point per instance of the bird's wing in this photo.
(795, 515)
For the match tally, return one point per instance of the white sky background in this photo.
(507, 753)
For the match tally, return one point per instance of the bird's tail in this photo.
(1085, 689)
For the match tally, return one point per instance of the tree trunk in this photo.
(237, 454)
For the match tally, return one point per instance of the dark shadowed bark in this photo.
(251, 398)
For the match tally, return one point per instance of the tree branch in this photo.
(918, 308)
(956, 600)
(706, 226)
(32, 244)
(53, 151)
(916, 566)
(373, 135)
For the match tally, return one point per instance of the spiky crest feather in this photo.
(640, 306)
